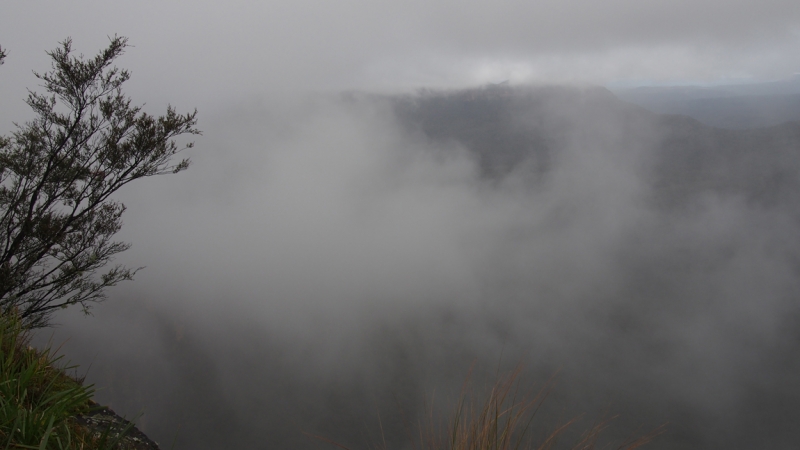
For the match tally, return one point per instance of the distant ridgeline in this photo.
(728, 106)
(530, 128)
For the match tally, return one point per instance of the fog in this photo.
(386, 195)
(204, 53)
(327, 261)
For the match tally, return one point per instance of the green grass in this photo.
(39, 402)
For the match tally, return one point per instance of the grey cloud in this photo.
(326, 256)
(211, 52)
(326, 259)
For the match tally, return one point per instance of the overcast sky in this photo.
(194, 52)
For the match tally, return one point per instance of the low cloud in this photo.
(322, 259)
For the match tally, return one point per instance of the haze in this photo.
(368, 214)
(192, 52)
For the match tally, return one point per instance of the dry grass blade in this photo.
(502, 421)
(327, 440)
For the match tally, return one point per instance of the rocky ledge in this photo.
(102, 420)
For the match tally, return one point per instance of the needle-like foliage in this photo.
(58, 173)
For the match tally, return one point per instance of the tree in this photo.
(58, 173)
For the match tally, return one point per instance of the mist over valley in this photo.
(391, 204)
(334, 260)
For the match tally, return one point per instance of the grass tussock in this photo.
(39, 402)
(503, 420)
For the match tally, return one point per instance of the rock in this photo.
(103, 420)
